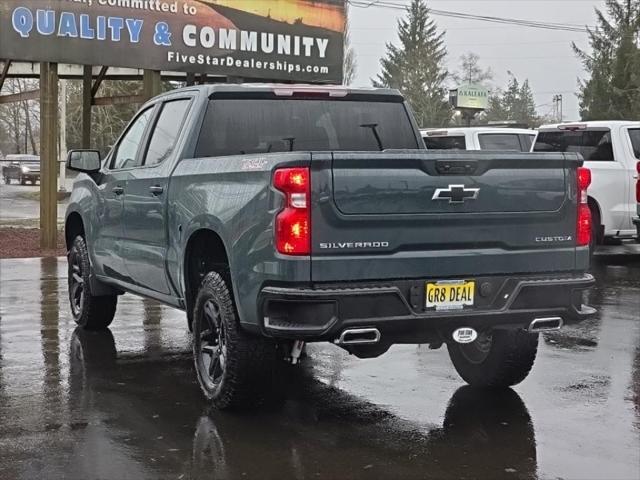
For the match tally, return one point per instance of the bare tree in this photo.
(350, 65)
(470, 71)
(19, 120)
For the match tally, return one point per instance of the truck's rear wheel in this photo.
(7, 180)
(89, 311)
(234, 369)
(498, 358)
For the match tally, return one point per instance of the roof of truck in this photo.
(286, 89)
(453, 132)
(592, 124)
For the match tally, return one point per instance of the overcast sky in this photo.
(543, 56)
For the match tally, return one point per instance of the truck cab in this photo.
(611, 150)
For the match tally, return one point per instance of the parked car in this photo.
(611, 151)
(278, 215)
(479, 138)
(23, 168)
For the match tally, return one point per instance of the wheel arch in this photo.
(594, 206)
(205, 252)
(73, 226)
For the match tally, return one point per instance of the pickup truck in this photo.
(479, 138)
(276, 215)
(23, 168)
(611, 150)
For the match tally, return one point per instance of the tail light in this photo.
(293, 223)
(583, 227)
(638, 183)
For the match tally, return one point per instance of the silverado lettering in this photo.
(343, 245)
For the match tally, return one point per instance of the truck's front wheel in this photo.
(234, 369)
(498, 358)
(89, 311)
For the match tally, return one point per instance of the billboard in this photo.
(298, 40)
(475, 97)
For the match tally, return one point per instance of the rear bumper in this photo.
(397, 310)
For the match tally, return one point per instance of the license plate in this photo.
(450, 294)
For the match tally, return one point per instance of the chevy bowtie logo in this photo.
(456, 194)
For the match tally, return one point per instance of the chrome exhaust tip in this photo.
(359, 336)
(546, 324)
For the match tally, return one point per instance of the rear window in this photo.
(500, 141)
(634, 135)
(594, 145)
(246, 126)
(457, 142)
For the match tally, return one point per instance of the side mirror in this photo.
(85, 161)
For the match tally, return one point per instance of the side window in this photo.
(166, 131)
(634, 135)
(499, 141)
(126, 154)
(527, 142)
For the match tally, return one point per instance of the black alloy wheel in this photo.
(76, 283)
(477, 351)
(211, 345)
(89, 311)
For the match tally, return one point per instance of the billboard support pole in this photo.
(86, 106)
(152, 84)
(49, 155)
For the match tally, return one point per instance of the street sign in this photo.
(295, 40)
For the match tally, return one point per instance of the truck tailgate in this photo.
(392, 215)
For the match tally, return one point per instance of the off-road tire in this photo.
(23, 181)
(508, 361)
(7, 180)
(90, 312)
(250, 362)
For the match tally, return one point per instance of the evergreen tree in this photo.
(515, 104)
(417, 66)
(612, 91)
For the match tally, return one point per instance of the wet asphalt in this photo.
(20, 207)
(124, 404)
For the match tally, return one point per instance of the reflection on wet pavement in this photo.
(124, 404)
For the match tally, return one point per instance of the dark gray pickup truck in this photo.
(276, 215)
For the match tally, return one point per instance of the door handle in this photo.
(156, 189)
(118, 190)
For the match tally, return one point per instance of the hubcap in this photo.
(477, 351)
(212, 344)
(76, 283)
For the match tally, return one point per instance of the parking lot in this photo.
(125, 404)
(20, 206)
